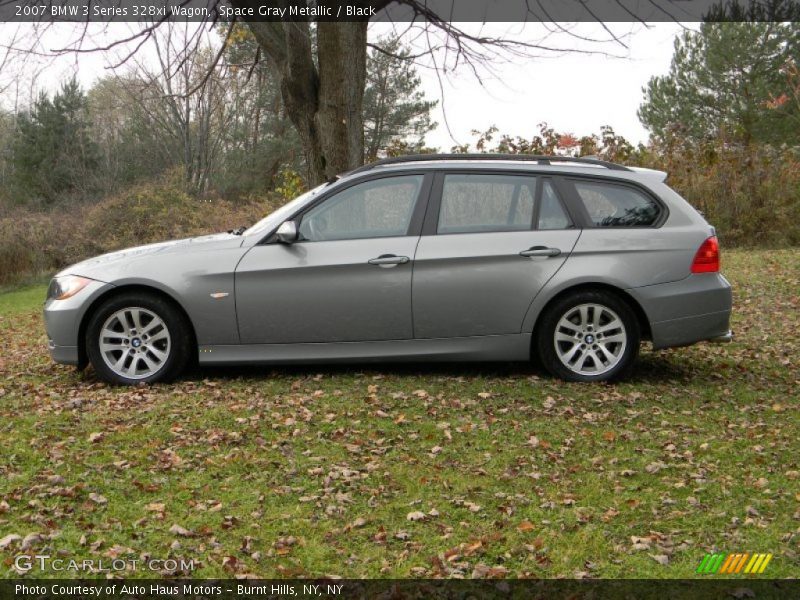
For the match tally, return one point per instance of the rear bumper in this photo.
(725, 338)
(691, 310)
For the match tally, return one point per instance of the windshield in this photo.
(272, 220)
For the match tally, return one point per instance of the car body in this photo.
(416, 258)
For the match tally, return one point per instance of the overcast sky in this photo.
(574, 93)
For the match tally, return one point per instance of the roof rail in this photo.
(542, 160)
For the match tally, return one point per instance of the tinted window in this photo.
(612, 205)
(377, 208)
(551, 213)
(482, 203)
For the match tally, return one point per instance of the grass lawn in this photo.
(487, 470)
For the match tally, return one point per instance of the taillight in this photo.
(707, 258)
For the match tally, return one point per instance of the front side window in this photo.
(484, 203)
(373, 209)
(611, 205)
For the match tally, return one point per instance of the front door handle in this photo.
(389, 260)
(540, 251)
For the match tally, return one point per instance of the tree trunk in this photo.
(323, 100)
(342, 55)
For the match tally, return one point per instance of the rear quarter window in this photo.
(615, 205)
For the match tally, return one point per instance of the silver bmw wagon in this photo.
(438, 257)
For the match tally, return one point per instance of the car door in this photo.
(490, 242)
(347, 278)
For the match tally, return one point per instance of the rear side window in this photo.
(484, 203)
(611, 205)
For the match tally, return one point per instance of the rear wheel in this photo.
(137, 337)
(588, 336)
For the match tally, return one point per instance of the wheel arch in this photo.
(83, 358)
(641, 316)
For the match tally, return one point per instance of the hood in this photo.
(93, 267)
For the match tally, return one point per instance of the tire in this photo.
(122, 354)
(598, 337)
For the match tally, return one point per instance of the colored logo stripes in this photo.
(720, 563)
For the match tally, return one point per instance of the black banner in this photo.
(104, 11)
(329, 589)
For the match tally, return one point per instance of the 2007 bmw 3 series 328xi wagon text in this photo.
(440, 257)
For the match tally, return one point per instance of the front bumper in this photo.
(691, 310)
(62, 321)
(65, 355)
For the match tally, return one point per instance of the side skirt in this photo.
(480, 348)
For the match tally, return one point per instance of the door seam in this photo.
(536, 295)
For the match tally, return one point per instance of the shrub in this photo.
(36, 242)
(750, 194)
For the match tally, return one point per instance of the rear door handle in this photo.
(385, 260)
(540, 251)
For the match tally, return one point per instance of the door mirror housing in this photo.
(287, 232)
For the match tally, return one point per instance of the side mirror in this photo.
(287, 232)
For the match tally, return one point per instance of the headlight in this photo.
(67, 286)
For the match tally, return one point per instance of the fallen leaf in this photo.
(178, 530)
(525, 526)
(30, 540)
(655, 467)
(8, 540)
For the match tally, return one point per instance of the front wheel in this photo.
(136, 338)
(588, 336)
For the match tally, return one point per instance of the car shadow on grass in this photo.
(650, 368)
(371, 369)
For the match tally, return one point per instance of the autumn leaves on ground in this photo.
(429, 471)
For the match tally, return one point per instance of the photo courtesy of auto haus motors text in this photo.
(166, 589)
(407, 299)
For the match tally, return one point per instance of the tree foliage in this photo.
(396, 112)
(261, 144)
(226, 128)
(720, 83)
(548, 142)
(52, 153)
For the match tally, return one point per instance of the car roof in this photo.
(499, 162)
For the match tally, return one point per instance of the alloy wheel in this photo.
(590, 339)
(135, 343)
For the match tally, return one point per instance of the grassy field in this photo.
(487, 470)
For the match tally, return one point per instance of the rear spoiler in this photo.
(652, 174)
